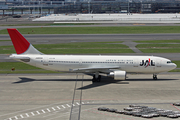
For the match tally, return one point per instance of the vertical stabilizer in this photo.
(21, 45)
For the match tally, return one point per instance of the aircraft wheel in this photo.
(155, 77)
(96, 79)
(99, 78)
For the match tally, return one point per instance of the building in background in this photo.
(94, 6)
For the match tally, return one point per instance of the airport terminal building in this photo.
(113, 6)
(93, 6)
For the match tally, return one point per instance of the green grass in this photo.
(159, 48)
(158, 41)
(177, 50)
(175, 70)
(99, 30)
(20, 68)
(4, 40)
(50, 24)
(75, 48)
(86, 51)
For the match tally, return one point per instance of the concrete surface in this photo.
(49, 96)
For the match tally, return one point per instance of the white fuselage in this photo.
(130, 64)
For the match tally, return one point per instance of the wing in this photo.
(95, 69)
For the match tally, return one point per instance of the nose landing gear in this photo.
(154, 77)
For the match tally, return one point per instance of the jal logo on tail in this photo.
(147, 63)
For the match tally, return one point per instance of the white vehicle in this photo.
(113, 66)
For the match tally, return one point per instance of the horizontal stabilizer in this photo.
(18, 57)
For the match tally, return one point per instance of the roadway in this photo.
(49, 96)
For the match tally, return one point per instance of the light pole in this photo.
(89, 6)
(41, 7)
(128, 8)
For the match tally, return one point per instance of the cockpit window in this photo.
(169, 62)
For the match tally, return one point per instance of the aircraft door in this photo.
(158, 63)
(80, 62)
(45, 60)
(135, 63)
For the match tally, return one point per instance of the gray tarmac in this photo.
(49, 96)
(64, 38)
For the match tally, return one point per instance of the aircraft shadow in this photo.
(150, 80)
(105, 81)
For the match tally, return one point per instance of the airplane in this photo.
(112, 66)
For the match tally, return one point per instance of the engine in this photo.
(118, 75)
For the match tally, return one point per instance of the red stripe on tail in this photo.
(19, 42)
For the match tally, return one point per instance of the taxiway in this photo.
(49, 96)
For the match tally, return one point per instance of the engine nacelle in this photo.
(118, 75)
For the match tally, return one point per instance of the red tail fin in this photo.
(19, 42)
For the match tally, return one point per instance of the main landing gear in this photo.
(154, 77)
(96, 78)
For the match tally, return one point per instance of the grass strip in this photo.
(99, 30)
(75, 48)
(20, 68)
(158, 41)
(4, 40)
(159, 48)
(175, 50)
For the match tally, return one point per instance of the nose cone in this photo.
(174, 65)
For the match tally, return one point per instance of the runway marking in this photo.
(30, 109)
(54, 109)
(67, 113)
(27, 115)
(68, 105)
(43, 111)
(22, 116)
(63, 106)
(16, 117)
(58, 107)
(48, 110)
(32, 113)
(175, 107)
(38, 112)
